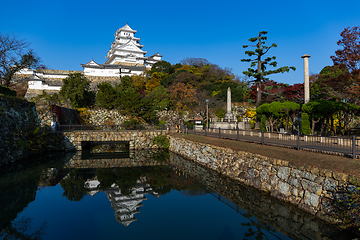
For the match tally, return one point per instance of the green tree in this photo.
(263, 123)
(276, 110)
(220, 113)
(73, 186)
(130, 101)
(76, 87)
(305, 124)
(159, 98)
(289, 110)
(272, 111)
(106, 95)
(260, 73)
(333, 83)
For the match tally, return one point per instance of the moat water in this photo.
(141, 195)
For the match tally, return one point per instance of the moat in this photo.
(106, 194)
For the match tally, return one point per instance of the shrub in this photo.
(305, 124)
(263, 123)
(131, 124)
(7, 91)
(162, 141)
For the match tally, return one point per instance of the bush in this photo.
(305, 124)
(7, 91)
(162, 141)
(220, 113)
(131, 124)
(263, 123)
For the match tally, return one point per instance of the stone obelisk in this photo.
(229, 117)
(306, 78)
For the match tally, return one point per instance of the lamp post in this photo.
(207, 113)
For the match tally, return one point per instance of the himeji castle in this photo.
(125, 58)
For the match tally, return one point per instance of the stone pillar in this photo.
(228, 100)
(306, 78)
(229, 117)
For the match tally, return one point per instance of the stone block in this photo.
(341, 176)
(315, 171)
(319, 180)
(284, 188)
(264, 174)
(308, 175)
(311, 186)
(274, 181)
(253, 173)
(294, 182)
(283, 173)
(295, 173)
(330, 184)
(311, 199)
(326, 173)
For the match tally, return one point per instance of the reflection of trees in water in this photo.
(21, 229)
(259, 227)
(161, 156)
(161, 178)
(73, 184)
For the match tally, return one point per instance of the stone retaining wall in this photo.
(285, 217)
(136, 139)
(19, 127)
(309, 188)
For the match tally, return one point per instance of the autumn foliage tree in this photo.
(349, 54)
(182, 96)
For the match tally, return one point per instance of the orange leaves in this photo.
(182, 96)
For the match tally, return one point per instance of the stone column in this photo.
(228, 100)
(306, 78)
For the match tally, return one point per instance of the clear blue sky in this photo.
(67, 33)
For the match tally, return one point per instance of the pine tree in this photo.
(260, 72)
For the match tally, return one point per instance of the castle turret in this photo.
(126, 49)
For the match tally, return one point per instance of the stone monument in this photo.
(229, 117)
(306, 78)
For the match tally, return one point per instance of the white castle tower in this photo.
(126, 50)
(125, 57)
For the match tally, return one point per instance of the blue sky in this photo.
(67, 33)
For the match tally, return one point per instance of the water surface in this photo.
(142, 195)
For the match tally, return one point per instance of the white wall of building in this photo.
(40, 85)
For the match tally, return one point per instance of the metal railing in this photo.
(69, 128)
(340, 145)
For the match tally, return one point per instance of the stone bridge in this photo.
(137, 139)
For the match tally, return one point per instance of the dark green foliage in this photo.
(162, 141)
(77, 88)
(263, 123)
(163, 66)
(106, 95)
(131, 124)
(276, 110)
(305, 124)
(74, 186)
(189, 125)
(220, 113)
(159, 98)
(7, 91)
